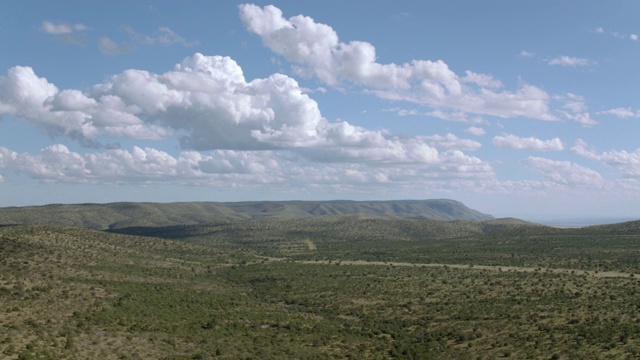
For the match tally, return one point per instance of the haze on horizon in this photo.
(516, 110)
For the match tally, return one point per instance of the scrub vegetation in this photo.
(321, 287)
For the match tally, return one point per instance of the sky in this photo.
(523, 108)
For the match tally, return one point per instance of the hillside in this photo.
(320, 287)
(624, 228)
(129, 214)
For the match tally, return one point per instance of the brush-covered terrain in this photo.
(318, 287)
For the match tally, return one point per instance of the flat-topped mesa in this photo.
(128, 214)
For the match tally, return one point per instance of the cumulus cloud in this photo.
(57, 163)
(284, 171)
(317, 51)
(222, 168)
(372, 148)
(627, 163)
(69, 113)
(206, 102)
(531, 143)
(570, 61)
(564, 172)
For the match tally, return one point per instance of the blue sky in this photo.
(526, 109)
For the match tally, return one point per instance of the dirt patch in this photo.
(310, 244)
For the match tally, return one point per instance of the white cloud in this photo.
(344, 142)
(515, 142)
(404, 112)
(440, 114)
(583, 118)
(57, 163)
(284, 172)
(69, 113)
(617, 34)
(319, 89)
(564, 172)
(577, 110)
(623, 113)
(574, 103)
(450, 141)
(627, 163)
(228, 168)
(582, 148)
(477, 131)
(61, 28)
(526, 54)
(482, 80)
(316, 51)
(570, 61)
(455, 116)
(207, 103)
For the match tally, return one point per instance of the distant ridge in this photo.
(627, 227)
(130, 214)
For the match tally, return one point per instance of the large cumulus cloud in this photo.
(264, 130)
(206, 103)
(317, 51)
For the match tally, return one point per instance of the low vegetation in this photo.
(319, 288)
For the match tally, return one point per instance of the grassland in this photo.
(319, 288)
